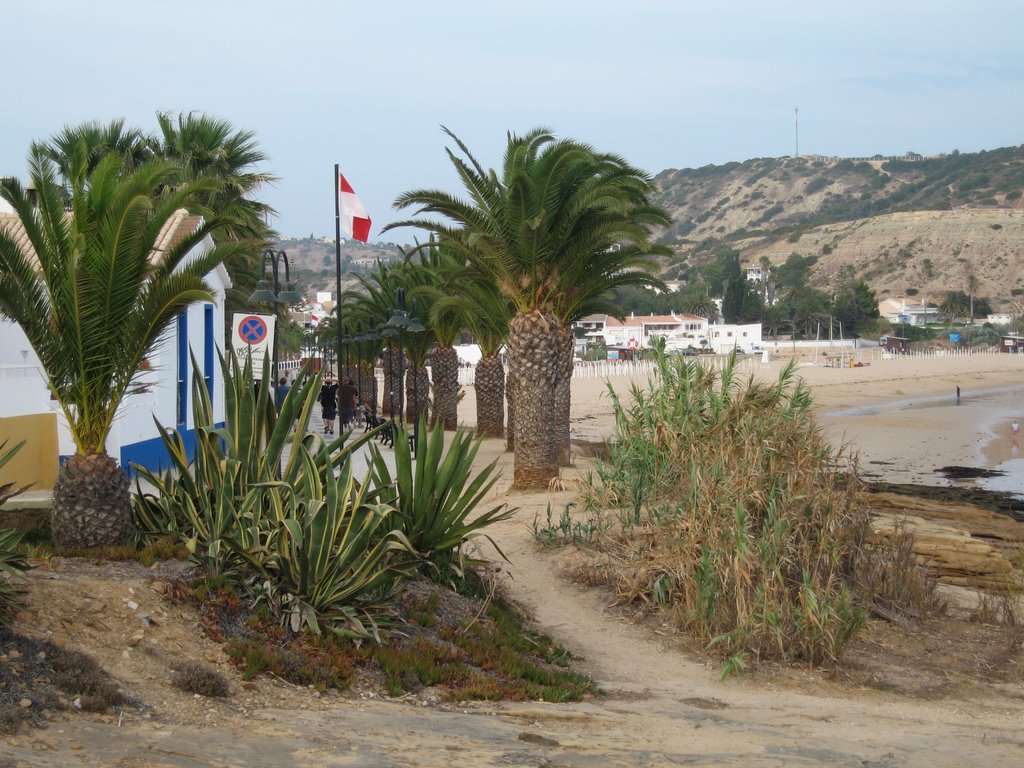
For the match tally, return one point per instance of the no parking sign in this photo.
(252, 335)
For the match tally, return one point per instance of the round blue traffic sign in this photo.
(252, 329)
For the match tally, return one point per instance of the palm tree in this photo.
(210, 148)
(556, 205)
(587, 289)
(93, 297)
(470, 300)
(372, 304)
(98, 141)
(444, 273)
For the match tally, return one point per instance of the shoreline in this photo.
(900, 415)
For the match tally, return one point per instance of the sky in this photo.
(368, 85)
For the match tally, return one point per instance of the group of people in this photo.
(338, 400)
(335, 399)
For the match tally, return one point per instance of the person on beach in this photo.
(1015, 427)
(328, 400)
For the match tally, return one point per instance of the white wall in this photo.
(23, 389)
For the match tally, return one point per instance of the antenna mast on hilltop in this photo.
(796, 128)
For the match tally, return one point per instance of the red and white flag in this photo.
(351, 213)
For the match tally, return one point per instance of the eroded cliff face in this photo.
(924, 224)
(930, 251)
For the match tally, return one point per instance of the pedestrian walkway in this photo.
(361, 456)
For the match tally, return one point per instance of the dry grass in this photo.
(738, 519)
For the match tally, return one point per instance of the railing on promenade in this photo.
(610, 369)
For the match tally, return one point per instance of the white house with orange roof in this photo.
(909, 311)
(161, 391)
(679, 331)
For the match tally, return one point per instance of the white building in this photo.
(162, 389)
(908, 311)
(679, 332)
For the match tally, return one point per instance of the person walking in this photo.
(348, 396)
(1015, 427)
(281, 392)
(328, 400)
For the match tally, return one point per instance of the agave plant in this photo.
(435, 496)
(12, 566)
(318, 547)
(10, 489)
(199, 500)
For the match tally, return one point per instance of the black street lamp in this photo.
(397, 326)
(277, 294)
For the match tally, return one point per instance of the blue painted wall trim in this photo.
(151, 453)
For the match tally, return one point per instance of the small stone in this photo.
(25, 703)
(536, 738)
(14, 653)
(41, 656)
(132, 605)
(136, 639)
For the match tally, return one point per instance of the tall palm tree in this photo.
(488, 316)
(93, 296)
(372, 303)
(444, 273)
(556, 205)
(98, 140)
(471, 301)
(587, 289)
(206, 148)
(210, 148)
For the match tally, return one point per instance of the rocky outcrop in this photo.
(960, 544)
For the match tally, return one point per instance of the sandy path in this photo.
(660, 707)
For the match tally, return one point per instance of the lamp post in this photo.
(415, 326)
(399, 324)
(277, 294)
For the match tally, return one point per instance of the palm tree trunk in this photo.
(510, 432)
(417, 393)
(490, 397)
(563, 396)
(91, 503)
(366, 381)
(392, 360)
(446, 386)
(533, 358)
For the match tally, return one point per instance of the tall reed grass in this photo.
(735, 512)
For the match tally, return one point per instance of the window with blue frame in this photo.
(182, 405)
(208, 347)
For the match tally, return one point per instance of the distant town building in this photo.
(908, 311)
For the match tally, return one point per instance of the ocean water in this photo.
(999, 449)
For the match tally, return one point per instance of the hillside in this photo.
(920, 224)
(312, 260)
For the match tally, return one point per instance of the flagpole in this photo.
(337, 262)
